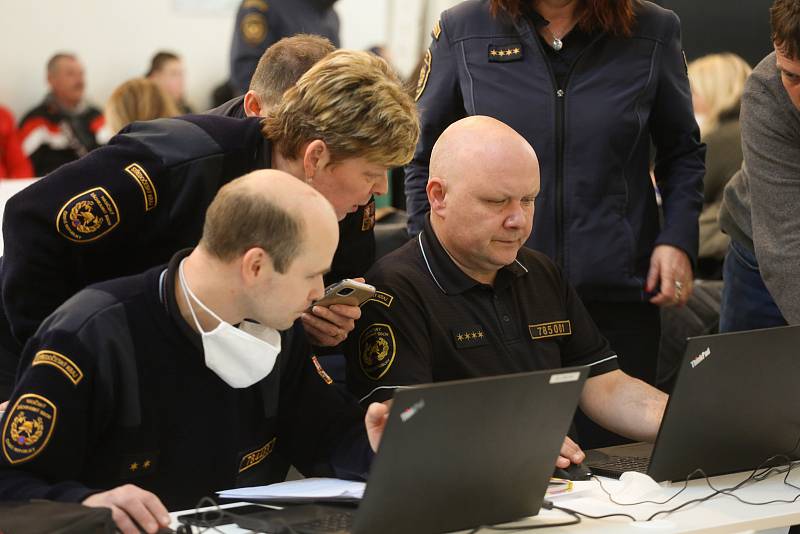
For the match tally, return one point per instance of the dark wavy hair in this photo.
(785, 21)
(615, 17)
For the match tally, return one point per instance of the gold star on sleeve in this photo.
(134, 466)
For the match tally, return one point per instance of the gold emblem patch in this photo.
(384, 298)
(254, 458)
(28, 427)
(60, 362)
(554, 329)
(321, 372)
(437, 29)
(377, 348)
(368, 220)
(424, 72)
(254, 28)
(88, 216)
(145, 183)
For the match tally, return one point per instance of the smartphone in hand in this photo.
(347, 292)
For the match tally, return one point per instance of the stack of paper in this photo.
(304, 490)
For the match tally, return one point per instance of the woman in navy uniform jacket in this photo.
(590, 84)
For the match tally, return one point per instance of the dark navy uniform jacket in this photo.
(119, 210)
(596, 214)
(115, 390)
(430, 322)
(127, 207)
(261, 23)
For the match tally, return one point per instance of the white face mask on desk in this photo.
(239, 356)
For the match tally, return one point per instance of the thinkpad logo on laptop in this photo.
(703, 355)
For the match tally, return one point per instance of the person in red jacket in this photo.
(13, 162)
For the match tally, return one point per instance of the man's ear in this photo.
(315, 157)
(437, 193)
(252, 104)
(256, 267)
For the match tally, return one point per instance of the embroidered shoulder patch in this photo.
(384, 298)
(60, 362)
(28, 427)
(88, 216)
(511, 52)
(321, 371)
(377, 349)
(437, 30)
(424, 72)
(553, 329)
(257, 456)
(254, 28)
(368, 220)
(469, 336)
(145, 183)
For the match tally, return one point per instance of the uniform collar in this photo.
(166, 294)
(448, 276)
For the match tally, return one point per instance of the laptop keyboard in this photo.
(622, 464)
(333, 522)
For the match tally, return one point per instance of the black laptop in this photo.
(454, 455)
(736, 403)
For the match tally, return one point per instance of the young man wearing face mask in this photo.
(140, 394)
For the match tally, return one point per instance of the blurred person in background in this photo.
(717, 83)
(64, 127)
(166, 69)
(258, 26)
(138, 99)
(13, 162)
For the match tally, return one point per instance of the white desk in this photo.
(721, 514)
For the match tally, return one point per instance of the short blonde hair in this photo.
(138, 99)
(719, 80)
(353, 102)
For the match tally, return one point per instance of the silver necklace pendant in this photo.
(557, 44)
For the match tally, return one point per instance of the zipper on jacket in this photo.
(560, 95)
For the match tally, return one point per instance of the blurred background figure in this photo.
(166, 69)
(717, 83)
(257, 27)
(63, 127)
(13, 162)
(139, 99)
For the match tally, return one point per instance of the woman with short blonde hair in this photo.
(717, 83)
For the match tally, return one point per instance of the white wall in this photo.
(116, 38)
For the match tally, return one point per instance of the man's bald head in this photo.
(477, 146)
(268, 209)
(484, 178)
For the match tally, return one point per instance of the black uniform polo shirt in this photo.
(431, 322)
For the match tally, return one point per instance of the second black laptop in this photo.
(736, 403)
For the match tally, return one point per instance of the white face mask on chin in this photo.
(239, 356)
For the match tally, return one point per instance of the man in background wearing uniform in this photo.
(466, 299)
(260, 23)
(279, 69)
(134, 203)
(139, 394)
